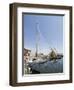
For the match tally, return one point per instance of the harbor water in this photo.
(47, 67)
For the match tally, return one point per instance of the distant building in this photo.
(27, 53)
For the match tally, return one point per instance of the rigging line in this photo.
(47, 41)
(43, 37)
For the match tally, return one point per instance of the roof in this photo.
(27, 49)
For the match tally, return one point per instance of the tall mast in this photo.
(37, 38)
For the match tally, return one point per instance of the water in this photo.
(47, 67)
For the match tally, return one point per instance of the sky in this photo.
(50, 32)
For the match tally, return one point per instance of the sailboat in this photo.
(53, 55)
(38, 64)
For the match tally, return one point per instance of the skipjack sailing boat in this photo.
(39, 61)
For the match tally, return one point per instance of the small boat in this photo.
(53, 55)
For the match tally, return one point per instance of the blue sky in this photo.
(50, 28)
